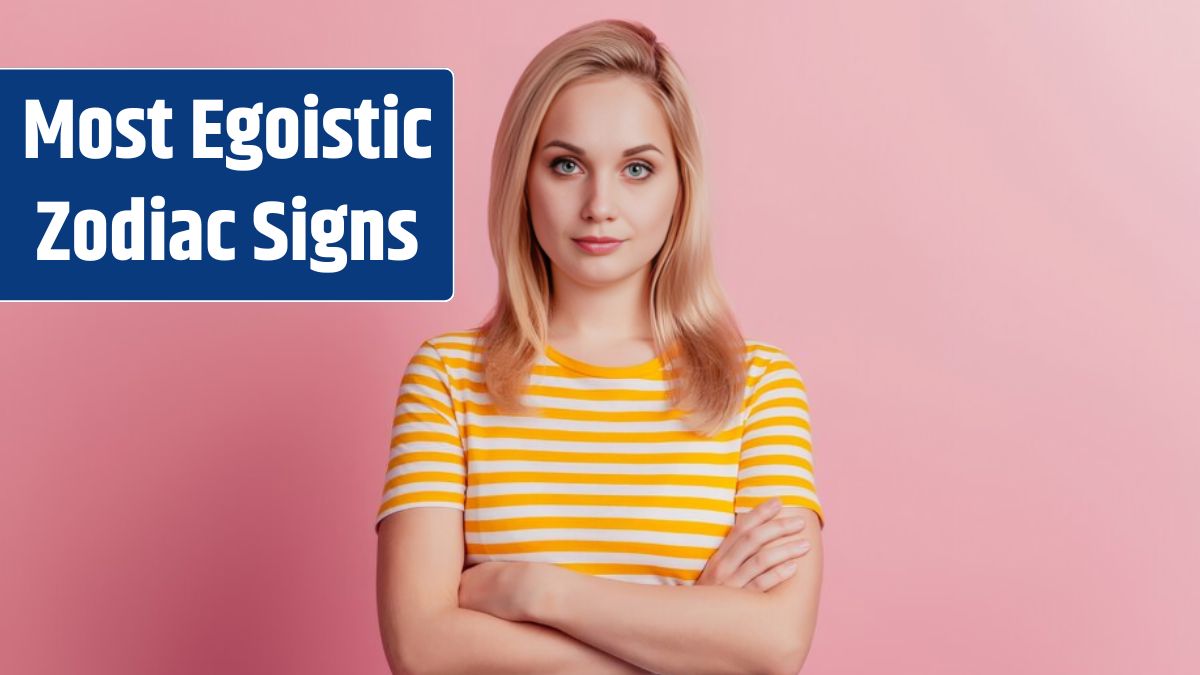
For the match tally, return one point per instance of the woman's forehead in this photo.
(605, 116)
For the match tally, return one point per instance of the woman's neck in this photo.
(615, 312)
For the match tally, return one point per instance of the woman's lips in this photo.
(598, 246)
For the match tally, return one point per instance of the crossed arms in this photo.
(578, 623)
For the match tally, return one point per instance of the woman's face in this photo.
(603, 166)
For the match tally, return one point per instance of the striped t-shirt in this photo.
(605, 479)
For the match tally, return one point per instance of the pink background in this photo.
(974, 226)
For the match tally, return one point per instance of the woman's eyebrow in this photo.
(579, 151)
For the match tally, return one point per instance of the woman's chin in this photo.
(599, 275)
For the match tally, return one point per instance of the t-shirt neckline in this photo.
(646, 367)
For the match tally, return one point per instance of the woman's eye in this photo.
(564, 165)
(562, 161)
(645, 170)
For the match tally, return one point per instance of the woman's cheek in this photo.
(551, 208)
(658, 216)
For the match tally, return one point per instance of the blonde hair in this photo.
(695, 333)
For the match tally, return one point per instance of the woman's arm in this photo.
(423, 629)
(469, 642)
(690, 629)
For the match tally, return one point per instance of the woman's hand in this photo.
(504, 589)
(509, 589)
(744, 560)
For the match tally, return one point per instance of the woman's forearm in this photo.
(466, 641)
(669, 629)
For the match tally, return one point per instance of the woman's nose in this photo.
(598, 205)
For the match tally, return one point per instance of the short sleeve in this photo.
(776, 455)
(426, 465)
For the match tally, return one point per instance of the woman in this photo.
(565, 471)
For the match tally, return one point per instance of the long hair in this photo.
(695, 332)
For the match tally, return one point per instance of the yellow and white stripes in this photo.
(605, 480)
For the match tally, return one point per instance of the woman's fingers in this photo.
(756, 516)
(774, 576)
(741, 549)
(735, 563)
(718, 566)
(747, 524)
(767, 560)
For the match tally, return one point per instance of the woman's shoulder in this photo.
(762, 350)
(459, 344)
(762, 356)
(450, 339)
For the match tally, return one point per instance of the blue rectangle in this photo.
(108, 188)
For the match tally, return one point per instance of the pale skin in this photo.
(599, 310)
(745, 614)
(665, 629)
